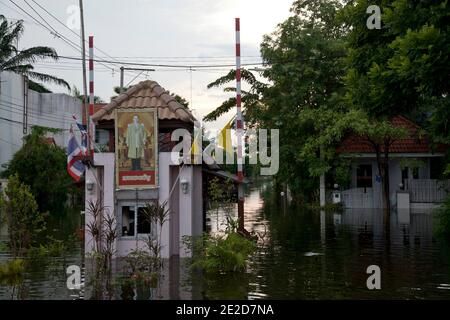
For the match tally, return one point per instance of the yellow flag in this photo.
(225, 138)
(196, 145)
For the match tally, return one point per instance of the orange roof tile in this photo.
(147, 94)
(411, 144)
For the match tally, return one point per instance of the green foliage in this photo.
(11, 272)
(43, 167)
(54, 248)
(156, 214)
(442, 227)
(227, 253)
(305, 59)
(251, 99)
(404, 67)
(3, 247)
(25, 222)
(77, 94)
(220, 194)
(21, 61)
(220, 197)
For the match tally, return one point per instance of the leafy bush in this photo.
(222, 253)
(25, 222)
(443, 223)
(11, 272)
(54, 248)
(43, 167)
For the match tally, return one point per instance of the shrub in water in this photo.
(224, 253)
(443, 216)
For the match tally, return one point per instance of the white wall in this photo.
(45, 109)
(104, 162)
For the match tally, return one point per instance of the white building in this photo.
(181, 185)
(21, 108)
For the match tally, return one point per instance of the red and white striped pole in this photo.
(239, 128)
(91, 131)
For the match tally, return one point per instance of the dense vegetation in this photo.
(328, 75)
(41, 165)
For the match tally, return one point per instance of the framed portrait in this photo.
(136, 148)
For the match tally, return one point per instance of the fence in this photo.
(427, 190)
(358, 198)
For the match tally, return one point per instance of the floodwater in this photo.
(302, 254)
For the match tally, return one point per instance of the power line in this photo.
(52, 31)
(12, 121)
(166, 65)
(65, 26)
(11, 143)
(29, 125)
(49, 117)
(34, 115)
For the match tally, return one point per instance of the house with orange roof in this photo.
(415, 167)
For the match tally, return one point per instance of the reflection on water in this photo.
(303, 254)
(315, 255)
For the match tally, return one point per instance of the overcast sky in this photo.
(184, 32)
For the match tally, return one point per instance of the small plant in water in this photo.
(442, 227)
(217, 253)
(103, 230)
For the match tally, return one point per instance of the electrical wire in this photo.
(11, 143)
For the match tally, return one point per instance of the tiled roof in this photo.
(143, 95)
(411, 144)
(97, 107)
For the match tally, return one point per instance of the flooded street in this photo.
(302, 254)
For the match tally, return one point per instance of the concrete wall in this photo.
(103, 174)
(45, 109)
(189, 219)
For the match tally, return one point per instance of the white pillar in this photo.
(186, 206)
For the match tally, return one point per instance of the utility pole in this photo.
(121, 79)
(239, 132)
(122, 75)
(83, 59)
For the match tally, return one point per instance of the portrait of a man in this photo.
(136, 138)
(135, 147)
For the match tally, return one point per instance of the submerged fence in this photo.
(358, 198)
(427, 190)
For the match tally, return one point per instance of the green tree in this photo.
(403, 68)
(21, 61)
(305, 59)
(251, 100)
(23, 218)
(77, 94)
(42, 166)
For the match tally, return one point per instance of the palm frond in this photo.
(37, 87)
(226, 106)
(20, 69)
(30, 56)
(8, 37)
(47, 78)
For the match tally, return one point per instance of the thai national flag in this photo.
(84, 135)
(74, 167)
